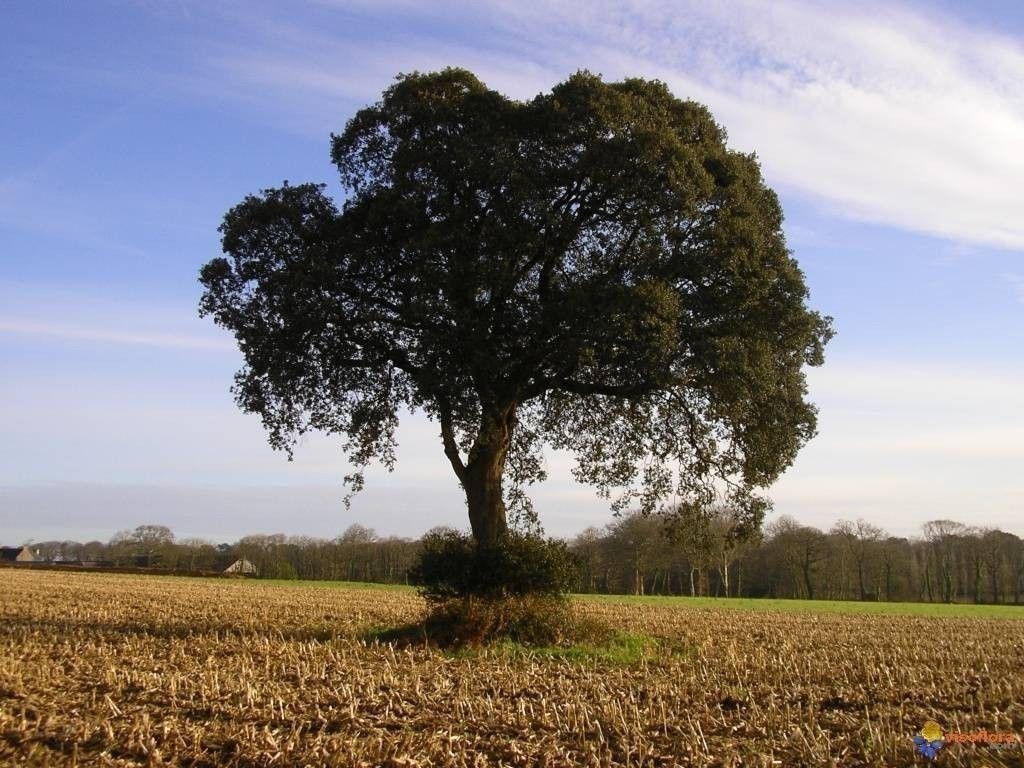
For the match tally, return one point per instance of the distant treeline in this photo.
(948, 562)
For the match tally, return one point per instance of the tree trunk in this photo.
(808, 584)
(486, 503)
(481, 477)
(638, 579)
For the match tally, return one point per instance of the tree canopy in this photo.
(592, 269)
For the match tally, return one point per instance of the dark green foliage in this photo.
(451, 566)
(591, 270)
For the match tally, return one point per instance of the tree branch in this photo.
(451, 448)
(589, 388)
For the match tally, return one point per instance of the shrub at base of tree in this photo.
(531, 620)
(514, 591)
(451, 565)
(528, 621)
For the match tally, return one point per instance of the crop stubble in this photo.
(101, 669)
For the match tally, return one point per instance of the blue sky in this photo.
(893, 133)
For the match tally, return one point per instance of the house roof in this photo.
(11, 554)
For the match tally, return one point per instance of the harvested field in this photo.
(100, 669)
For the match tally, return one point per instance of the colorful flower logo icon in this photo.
(930, 740)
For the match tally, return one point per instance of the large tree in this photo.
(592, 269)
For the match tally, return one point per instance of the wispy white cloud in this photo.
(900, 443)
(926, 387)
(878, 112)
(17, 327)
(30, 195)
(54, 314)
(305, 63)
